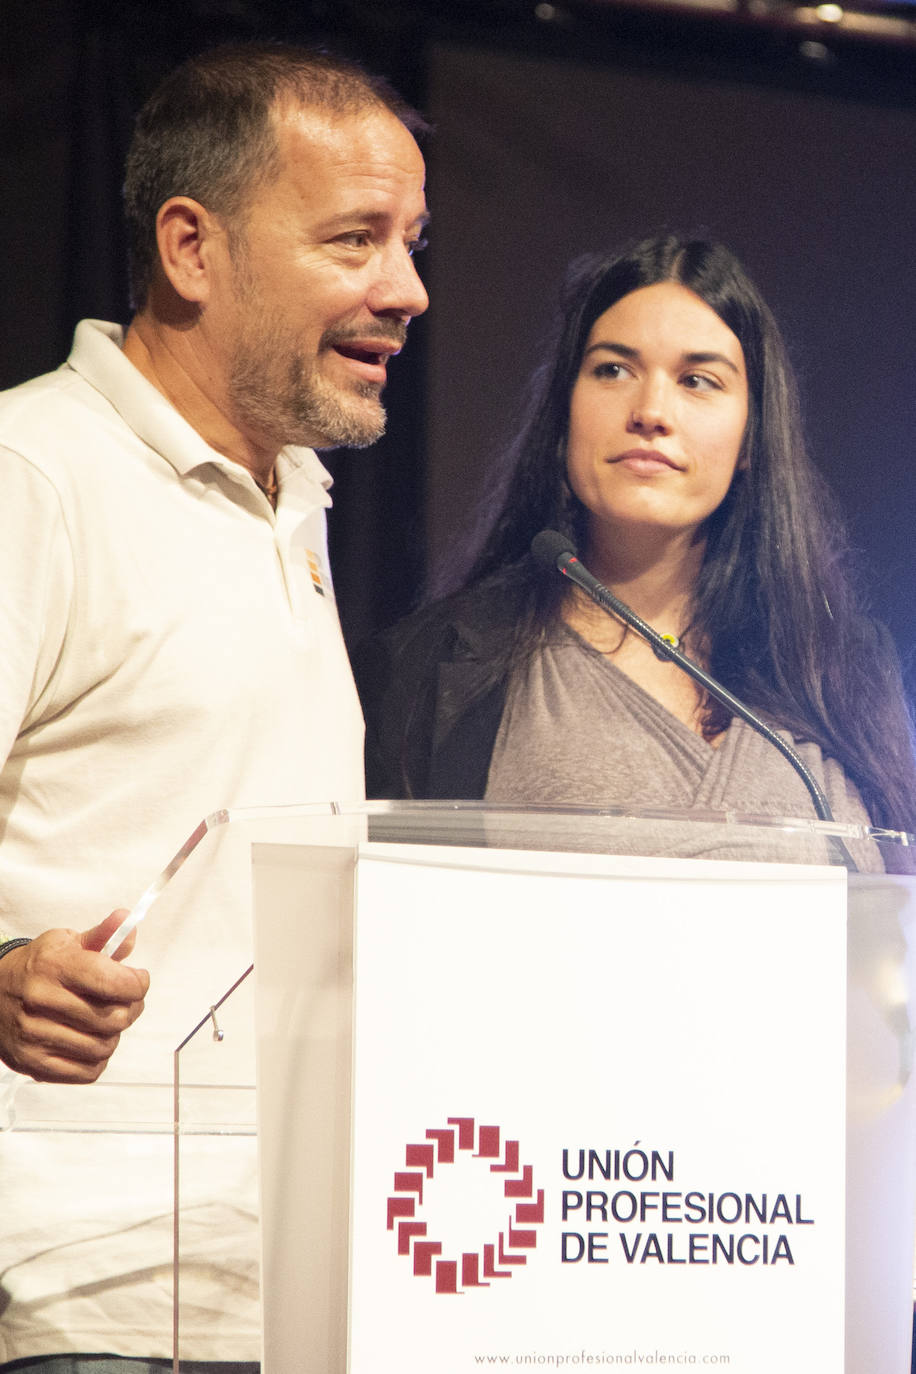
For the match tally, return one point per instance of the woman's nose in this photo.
(650, 413)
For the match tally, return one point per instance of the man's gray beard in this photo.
(300, 407)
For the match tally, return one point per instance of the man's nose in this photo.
(398, 290)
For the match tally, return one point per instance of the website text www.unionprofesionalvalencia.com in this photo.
(632, 1358)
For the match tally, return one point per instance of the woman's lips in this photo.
(645, 460)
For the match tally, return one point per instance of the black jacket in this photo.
(433, 689)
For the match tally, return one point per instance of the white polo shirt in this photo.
(168, 646)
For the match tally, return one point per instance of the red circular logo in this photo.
(495, 1260)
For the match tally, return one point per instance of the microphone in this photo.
(554, 550)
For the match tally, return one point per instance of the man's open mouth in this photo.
(362, 355)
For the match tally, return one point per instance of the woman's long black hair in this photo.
(774, 600)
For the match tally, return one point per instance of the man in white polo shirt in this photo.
(169, 644)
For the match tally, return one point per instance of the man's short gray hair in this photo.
(207, 132)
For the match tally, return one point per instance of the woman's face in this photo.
(657, 413)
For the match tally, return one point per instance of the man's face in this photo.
(319, 281)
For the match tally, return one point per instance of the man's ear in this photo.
(186, 234)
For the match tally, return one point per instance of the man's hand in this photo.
(63, 1005)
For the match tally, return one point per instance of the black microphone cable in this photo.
(556, 551)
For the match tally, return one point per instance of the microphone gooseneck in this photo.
(554, 550)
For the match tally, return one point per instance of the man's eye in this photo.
(357, 238)
(416, 245)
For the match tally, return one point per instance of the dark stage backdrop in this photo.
(545, 146)
(536, 161)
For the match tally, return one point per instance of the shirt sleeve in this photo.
(36, 577)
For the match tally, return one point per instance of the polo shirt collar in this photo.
(98, 358)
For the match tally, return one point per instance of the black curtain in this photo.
(559, 128)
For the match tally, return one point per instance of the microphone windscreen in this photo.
(550, 546)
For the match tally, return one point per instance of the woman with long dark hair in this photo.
(663, 438)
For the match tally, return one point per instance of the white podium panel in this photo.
(606, 1067)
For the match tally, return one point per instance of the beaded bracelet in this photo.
(9, 945)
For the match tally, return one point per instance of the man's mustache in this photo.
(388, 332)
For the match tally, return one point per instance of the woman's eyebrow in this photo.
(623, 349)
(692, 358)
(712, 358)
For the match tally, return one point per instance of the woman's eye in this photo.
(698, 381)
(610, 371)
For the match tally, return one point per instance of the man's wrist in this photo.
(7, 946)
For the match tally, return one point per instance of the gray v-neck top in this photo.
(577, 730)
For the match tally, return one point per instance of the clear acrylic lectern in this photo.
(562, 1087)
